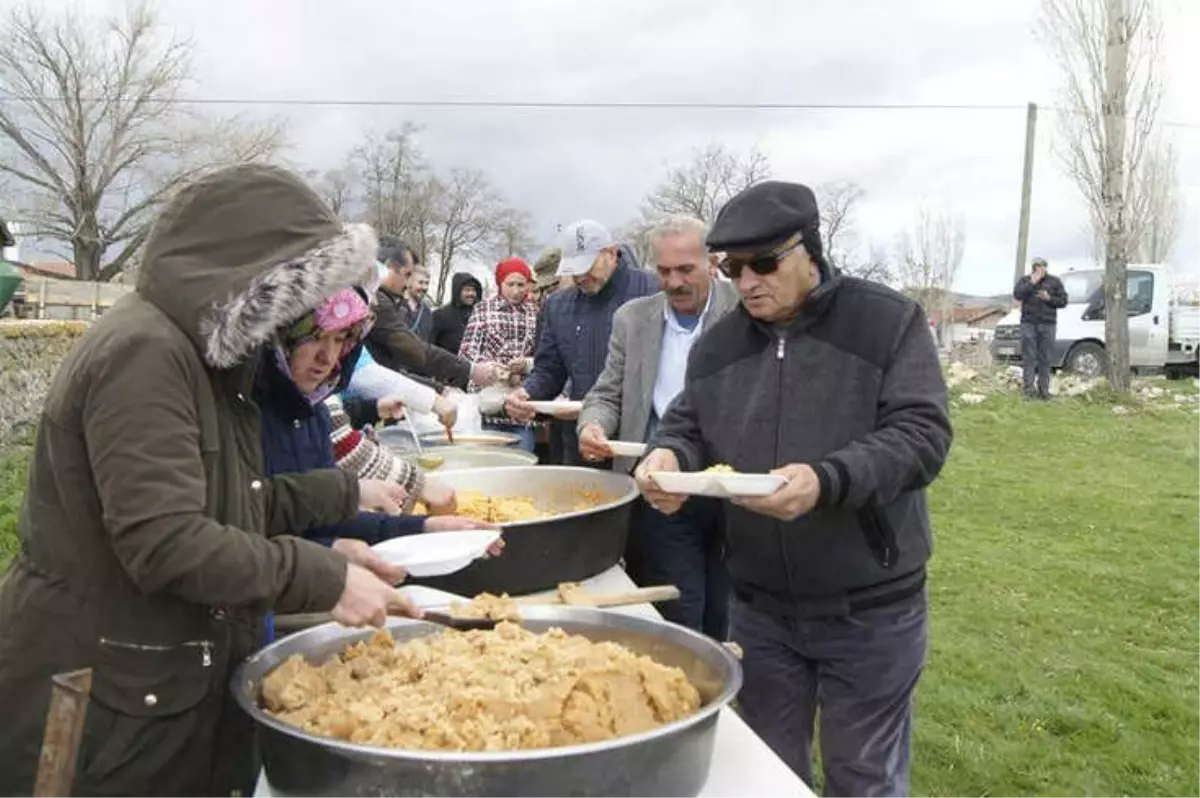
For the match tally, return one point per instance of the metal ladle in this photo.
(430, 462)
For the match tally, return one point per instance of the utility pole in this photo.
(1116, 90)
(1026, 192)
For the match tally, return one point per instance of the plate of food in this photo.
(627, 448)
(719, 481)
(437, 553)
(557, 406)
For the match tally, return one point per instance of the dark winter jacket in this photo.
(419, 319)
(152, 537)
(450, 322)
(1034, 309)
(575, 328)
(853, 388)
(296, 440)
(394, 346)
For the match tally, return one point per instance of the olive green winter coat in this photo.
(151, 540)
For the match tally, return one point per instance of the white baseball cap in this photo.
(580, 243)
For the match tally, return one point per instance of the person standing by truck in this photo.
(1041, 294)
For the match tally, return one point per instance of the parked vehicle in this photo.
(10, 278)
(1163, 336)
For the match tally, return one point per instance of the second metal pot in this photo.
(570, 546)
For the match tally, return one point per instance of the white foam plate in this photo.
(627, 448)
(428, 598)
(722, 486)
(437, 553)
(555, 406)
(750, 484)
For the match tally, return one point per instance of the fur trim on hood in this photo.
(245, 250)
(281, 295)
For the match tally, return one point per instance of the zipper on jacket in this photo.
(779, 352)
(881, 538)
(205, 646)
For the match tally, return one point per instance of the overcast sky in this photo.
(567, 163)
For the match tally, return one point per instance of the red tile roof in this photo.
(62, 270)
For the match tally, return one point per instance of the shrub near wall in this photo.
(30, 352)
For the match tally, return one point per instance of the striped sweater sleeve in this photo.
(358, 454)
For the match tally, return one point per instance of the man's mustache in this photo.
(684, 291)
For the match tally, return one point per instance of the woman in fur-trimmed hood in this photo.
(152, 538)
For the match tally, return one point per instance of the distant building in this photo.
(969, 323)
(54, 269)
(49, 290)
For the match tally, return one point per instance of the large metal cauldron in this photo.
(568, 547)
(670, 760)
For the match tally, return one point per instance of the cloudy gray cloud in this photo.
(566, 163)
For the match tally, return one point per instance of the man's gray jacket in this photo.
(853, 388)
(621, 401)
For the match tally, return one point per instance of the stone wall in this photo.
(30, 352)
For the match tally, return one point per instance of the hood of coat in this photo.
(456, 286)
(246, 250)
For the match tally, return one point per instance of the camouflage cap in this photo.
(546, 267)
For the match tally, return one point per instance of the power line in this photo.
(651, 105)
(637, 104)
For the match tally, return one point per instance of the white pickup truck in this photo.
(1163, 336)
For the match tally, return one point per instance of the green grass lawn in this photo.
(1064, 585)
(1064, 631)
(12, 487)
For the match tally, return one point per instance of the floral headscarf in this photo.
(347, 309)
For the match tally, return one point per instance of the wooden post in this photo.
(69, 695)
(1026, 191)
(41, 314)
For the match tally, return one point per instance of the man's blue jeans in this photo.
(1037, 346)
(855, 674)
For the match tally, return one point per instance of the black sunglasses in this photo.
(762, 265)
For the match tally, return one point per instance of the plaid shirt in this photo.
(499, 332)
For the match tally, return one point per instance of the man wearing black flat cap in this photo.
(834, 384)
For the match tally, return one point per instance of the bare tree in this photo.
(838, 202)
(1156, 205)
(469, 214)
(874, 266)
(336, 186)
(513, 232)
(636, 235)
(697, 187)
(423, 220)
(700, 186)
(928, 258)
(93, 132)
(392, 171)
(1109, 54)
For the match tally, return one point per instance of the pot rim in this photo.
(243, 689)
(631, 489)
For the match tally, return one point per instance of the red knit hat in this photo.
(512, 266)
